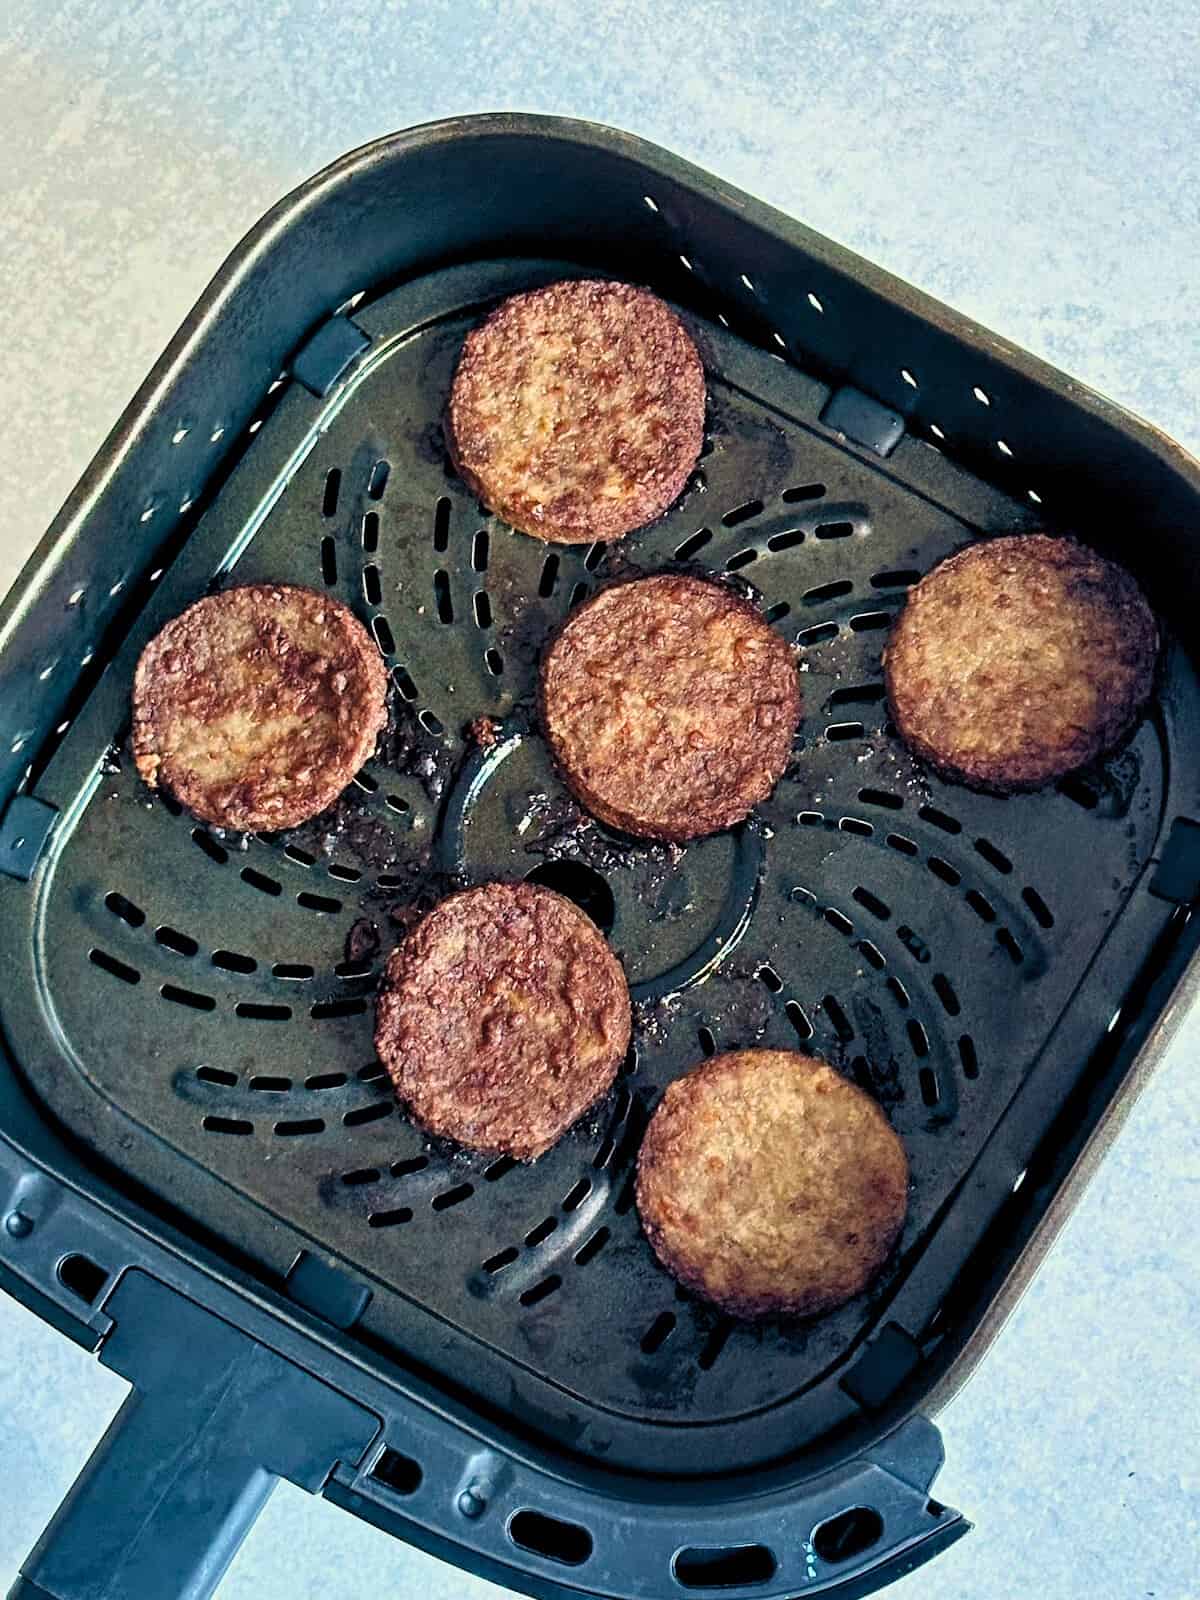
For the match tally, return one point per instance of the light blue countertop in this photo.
(1035, 165)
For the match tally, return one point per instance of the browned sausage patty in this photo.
(670, 705)
(1018, 660)
(503, 1016)
(255, 707)
(577, 411)
(768, 1183)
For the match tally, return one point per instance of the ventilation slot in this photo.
(689, 547)
(993, 857)
(260, 881)
(372, 1113)
(377, 482)
(227, 1080)
(945, 993)
(231, 961)
(294, 1130)
(1039, 907)
(900, 579)
(873, 903)
(848, 1534)
(799, 1020)
(549, 578)
(880, 797)
(337, 1008)
(855, 825)
(943, 870)
(453, 1197)
(188, 997)
(318, 902)
(441, 594)
(827, 591)
(541, 1232)
(939, 819)
(360, 1176)
(479, 551)
(482, 606)
(968, 1057)
(271, 1085)
(405, 1169)
(770, 978)
(742, 559)
(735, 1567)
(84, 1277)
(500, 1168)
(211, 848)
(839, 731)
(541, 1291)
(554, 1540)
(370, 533)
(871, 954)
(325, 1080)
(817, 635)
(742, 513)
(389, 1219)
(659, 1331)
(234, 1125)
(837, 919)
(930, 1093)
(115, 968)
(494, 662)
(401, 1474)
(708, 1043)
(803, 491)
(787, 540)
(372, 588)
(591, 1248)
(329, 560)
(181, 943)
(502, 1258)
(981, 907)
(329, 499)
(294, 970)
(575, 1196)
(863, 694)
(383, 636)
(917, 1038)
(906, 847)
(1010, 946)
(835, 530)
(125, 909)
(841, 1022)
(713, 1345)
(253, 1011)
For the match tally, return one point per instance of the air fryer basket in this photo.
(196, 1140)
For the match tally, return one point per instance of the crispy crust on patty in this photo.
(577, 410)
(503, 1017)
(256, 706)
(670, 706)
(1018, 660)
(770, 1184)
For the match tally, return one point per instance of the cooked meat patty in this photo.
(577, 410)
(503, 1016)
(1019, 659)
(768, 1183)
(670, 705)
(255, 707)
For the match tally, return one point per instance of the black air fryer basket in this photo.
(203, 1174)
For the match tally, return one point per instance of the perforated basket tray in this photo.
(191, 1013)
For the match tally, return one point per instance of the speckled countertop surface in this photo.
(1036, 166)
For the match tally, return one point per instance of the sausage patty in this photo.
(255, 707)
(577, 410)
(670, 705)
(769, 1184)
(1018, 660)
(503, 1016)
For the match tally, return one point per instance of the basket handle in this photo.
(190, 1459)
